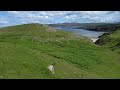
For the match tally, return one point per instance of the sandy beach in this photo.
(94, 39)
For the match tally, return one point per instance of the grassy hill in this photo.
(111, 41)
(27, 50)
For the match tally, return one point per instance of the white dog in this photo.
(51, 68)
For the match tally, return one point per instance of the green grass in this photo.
(111, 41)
(27, 50)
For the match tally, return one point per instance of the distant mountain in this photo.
(118, 22)
(65, 24)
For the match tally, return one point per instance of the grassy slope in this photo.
(27, 50)
(111, 41)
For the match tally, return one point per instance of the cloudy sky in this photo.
(47, 17)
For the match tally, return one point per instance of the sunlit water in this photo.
(93, 35)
